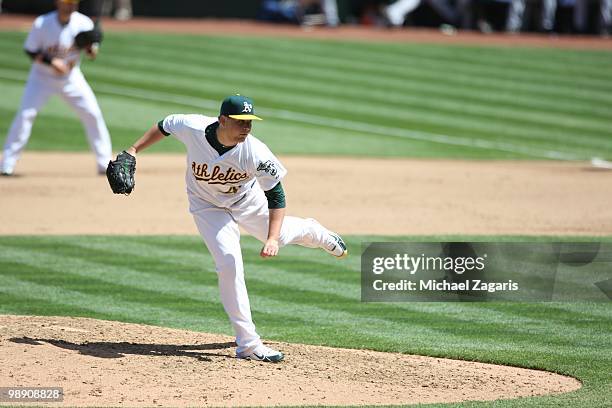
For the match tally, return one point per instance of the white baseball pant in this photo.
(219, 229)
(75, 90)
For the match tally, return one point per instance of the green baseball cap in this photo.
(238, 107)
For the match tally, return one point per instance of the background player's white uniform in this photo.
(225, 192)
(57, 40)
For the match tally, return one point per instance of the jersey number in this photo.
(232, 190)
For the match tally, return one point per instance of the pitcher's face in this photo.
(236, 129)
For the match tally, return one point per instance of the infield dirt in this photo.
(351, 196)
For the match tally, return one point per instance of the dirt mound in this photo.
(104, 363)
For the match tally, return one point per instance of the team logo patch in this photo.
(268, 167)
(248, 108)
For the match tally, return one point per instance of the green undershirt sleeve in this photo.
(276, 197)
(160, 126)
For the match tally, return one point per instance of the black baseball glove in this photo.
(120, 173)
(85, 39)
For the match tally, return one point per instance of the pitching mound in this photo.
(103, 363)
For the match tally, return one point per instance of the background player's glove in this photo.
(120, 173)
(85, 39)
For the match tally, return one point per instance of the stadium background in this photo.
(349, 11)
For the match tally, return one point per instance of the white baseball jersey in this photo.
(227, 179)
(56, 40)
(50, 37)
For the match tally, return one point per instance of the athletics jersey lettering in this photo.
(59, 51)
(217, 176)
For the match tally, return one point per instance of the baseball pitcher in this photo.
(233, 180)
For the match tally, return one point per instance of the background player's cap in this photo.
(238, 107)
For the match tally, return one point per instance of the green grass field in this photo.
(347, 98)
(325, 98)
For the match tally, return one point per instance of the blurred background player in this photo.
(548, 13)
(120, 9)
(451, 12)
(55, 71)
(303, 12)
